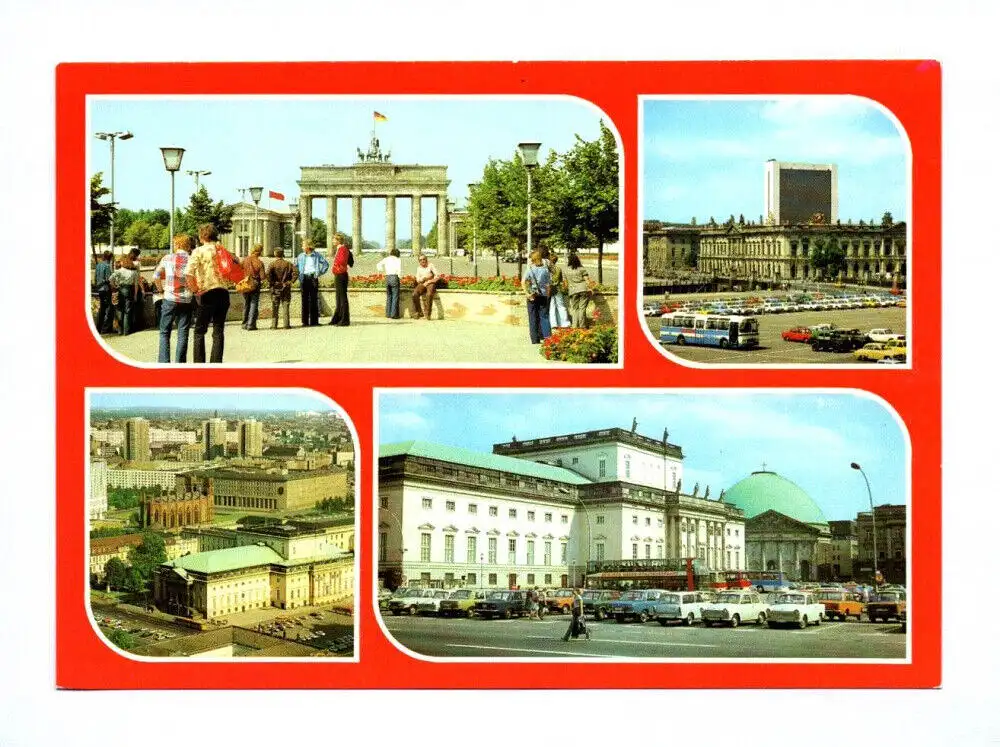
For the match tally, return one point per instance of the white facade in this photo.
(616, 462)
(141, 478)
(168, 436)
(98, 504)
(110, 437)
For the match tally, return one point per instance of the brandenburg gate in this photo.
(374, 175)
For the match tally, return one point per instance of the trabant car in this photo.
(735, 607)
(559, 601)
(797, 334)
(502, 603)
(886, 605)
(795, 608)
(838, 341)
(840, 604)
(636, 604)
(882, 334)
(597, 602)
(412, 601)
(876, 351)
(679, 606)
(460, 603)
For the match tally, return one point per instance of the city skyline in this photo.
(277, 135)
(705, 158)
(271, 400)
(810, 439)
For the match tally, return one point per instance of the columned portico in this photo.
(356, 222)
(442, 224)
(331, 221)
(390, 222)
(415, 219)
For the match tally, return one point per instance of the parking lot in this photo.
(532, 638)
(775, 350)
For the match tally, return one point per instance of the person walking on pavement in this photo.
(280, 276)
(577, 624)
(102, 284)
(540, 595)
(211, 295)
(254, 269)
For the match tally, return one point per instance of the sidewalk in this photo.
(367, 341)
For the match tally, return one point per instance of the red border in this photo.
(910, 89)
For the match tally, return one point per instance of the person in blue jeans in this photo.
(537, 284)
(390, 266)
(102, 284)
(178, 301)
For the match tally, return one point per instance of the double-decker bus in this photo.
(682, 574)
(760, 580)
(714, 330)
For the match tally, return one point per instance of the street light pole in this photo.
(871, 505)
(480, 570)
(255, 193)
(529, 154)
(110, 137)
(475, 227)
(197, 177)
(172, 162)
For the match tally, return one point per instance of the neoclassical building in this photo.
(539, 512)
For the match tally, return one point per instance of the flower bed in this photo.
(597, 344)
(502, 284)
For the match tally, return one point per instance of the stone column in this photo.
(331, 224)
(266, 236)
(390, 222)
(442, 209)
(356, 223)
(305, 216)
(415, 221)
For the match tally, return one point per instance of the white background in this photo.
(35, 37)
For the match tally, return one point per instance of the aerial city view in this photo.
(222, 524)
(775, 231)
(722, 525)
(358, 220)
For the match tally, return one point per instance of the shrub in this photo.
(598, 344)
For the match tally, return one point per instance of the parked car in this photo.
(597, 602)
(679, 606)
(637, 604)
(502, 603)
(886, 605)
(892, 361)
(797, 334)
(559, 601)
(651, 310)
(461, 603)
(838, 341)
(840, 604)
(875, 351)
(412, 601)
(795, 608)
(882, 334)
(735, 607)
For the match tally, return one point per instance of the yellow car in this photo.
(876, 351)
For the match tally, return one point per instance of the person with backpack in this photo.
(206, 281)
(343, 260)
(253, 266)
(537, 286)
(577, 624)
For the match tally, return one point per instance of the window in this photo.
(383, 501)
(547, 548)
(659, 522)
(562, 552)
(635, 551)
(449, 579)
(648, 550)
(425, 503)
(471, 579)
(548, 518)
(531, 516)
(649, 521)
(575, 460)
(728, 531)
(425, 547)
(494, 511)
(564, 519)
(628, 468)
(548, 579)
(493, 579)
(449, 505)
(599, 519)
(511, 513)
(659, 552)
(512, 551)
(635, 519)
(531, 552)
(531, 578)
(473, 508)
(602, 468)
(600, 551)
(383, 546)
(470, 549)
(449, 548)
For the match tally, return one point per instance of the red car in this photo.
(797, 334)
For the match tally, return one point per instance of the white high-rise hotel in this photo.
(537, 512)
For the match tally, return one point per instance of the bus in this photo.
(713, 330)
(680, 574)
(762, 581)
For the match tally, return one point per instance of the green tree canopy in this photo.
(116, 573)
(826, 255)
(317, 232)
(148, 555)
(100, 212)
(122, 639)
(202, 210)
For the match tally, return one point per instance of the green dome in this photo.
(767, 491)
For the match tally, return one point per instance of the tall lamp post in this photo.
(255, 193)
(871, 505)
(294, 207)
(197, 177)
(111, 137)
(472, 214)
(529, 155)
(450, 238)
(172, 162)
(480, 570)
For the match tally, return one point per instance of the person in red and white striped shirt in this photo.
(177, 299)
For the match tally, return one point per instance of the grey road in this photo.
(775, 350)
(531, 638)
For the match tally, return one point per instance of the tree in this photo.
(827, 256)
(101, 213)
(122, 639)
(317, 232)
(201, 210)
(431, 240)
(150, 553)
(115, 573)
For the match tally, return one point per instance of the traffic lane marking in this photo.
(532, 650)
(640, 643)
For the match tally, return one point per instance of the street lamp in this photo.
(110, 137)
(197, 177)
(529, 155)
(294, 207)
(451, 238)
(255, 193)
(475, 258)
(172, 162)
(481, 556)
(871, 505)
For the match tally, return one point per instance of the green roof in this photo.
(469, 458)
(229, 559)
(768, 491)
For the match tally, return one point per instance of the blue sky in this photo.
(275, 400)
(253, 141)
(706, 158)
(808, 438)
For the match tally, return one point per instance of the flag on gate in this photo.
(381, 117)
(275, 195)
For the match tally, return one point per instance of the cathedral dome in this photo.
(767, 491)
